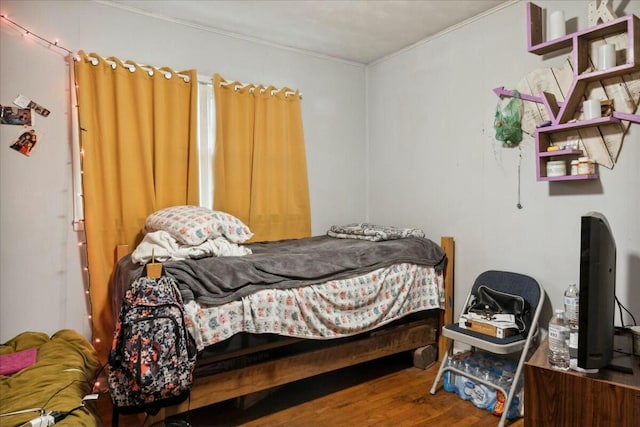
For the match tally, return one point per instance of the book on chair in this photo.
(499, 325)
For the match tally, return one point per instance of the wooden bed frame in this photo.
(234, 383)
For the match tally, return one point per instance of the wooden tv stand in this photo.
(569, 398)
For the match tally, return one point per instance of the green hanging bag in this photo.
(508, 119)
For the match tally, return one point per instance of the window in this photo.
(206, 139)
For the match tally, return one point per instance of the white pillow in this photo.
(192, 225)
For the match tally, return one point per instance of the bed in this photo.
(279, 326)
(57, 373)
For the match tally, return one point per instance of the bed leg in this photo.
(248, 400)
(424, 357)
(115, 416)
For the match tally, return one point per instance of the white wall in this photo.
(432, 158)
(41, 279)
(436, 164)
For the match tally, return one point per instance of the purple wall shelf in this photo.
(567, 178)
(561, 113)
(560, 153)
(579, 124)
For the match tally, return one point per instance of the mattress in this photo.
(314, 288)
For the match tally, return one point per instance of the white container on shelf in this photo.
(606, 56)
(557, 25)
(556, 168)
(591, 109)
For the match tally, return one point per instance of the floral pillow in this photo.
(193, 225)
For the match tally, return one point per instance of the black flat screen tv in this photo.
(597, 295)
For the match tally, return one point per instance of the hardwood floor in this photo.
(386, 392)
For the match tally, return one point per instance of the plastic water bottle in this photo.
(571, 312)
(559, 341)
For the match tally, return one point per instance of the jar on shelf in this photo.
(574, 167)
(586, 166)
(556, 168)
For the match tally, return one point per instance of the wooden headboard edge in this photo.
(448, 245)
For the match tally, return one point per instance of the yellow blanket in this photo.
(63, 374)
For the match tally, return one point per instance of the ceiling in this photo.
(360, 31)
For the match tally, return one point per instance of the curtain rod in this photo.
(239, 85)
(131, 67)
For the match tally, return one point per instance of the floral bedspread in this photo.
(333, 309)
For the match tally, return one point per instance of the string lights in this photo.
(83, 244)
(30, 33)
(87, 290)
(78, 174)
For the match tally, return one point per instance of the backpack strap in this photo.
(115, 355)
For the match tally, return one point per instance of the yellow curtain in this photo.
(235, 112)
(260, 166)
(138, 135)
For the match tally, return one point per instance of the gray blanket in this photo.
(285, 264)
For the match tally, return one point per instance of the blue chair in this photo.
(507, 282)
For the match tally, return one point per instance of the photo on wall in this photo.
(26, 142)
(15, 116)
(24, 102)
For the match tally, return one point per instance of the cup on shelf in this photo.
(591, 109)
(573, 142)
(606, 56)
(557, 25)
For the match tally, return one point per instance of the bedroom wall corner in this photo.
(431, 139)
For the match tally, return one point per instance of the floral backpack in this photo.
(152, 355)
